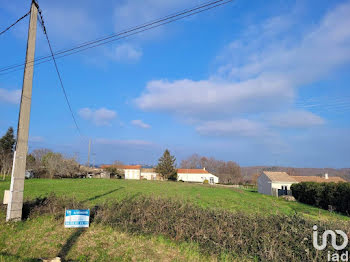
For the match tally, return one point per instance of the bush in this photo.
(324, 195)
(206, 181)
(262, 238)
(256, 237)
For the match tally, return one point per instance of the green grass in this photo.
(45, 237)
(94, 191)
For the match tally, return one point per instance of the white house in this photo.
(149, 174)
(196, 175)
(132, 172)
(270, 182)
(278, 183)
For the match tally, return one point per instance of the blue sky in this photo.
(256, 82)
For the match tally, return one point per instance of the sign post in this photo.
(76, 218)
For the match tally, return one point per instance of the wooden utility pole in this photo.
(15, 204)
(89, 152)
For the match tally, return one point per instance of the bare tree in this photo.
(228, 172)
(57, 166)
(118, 163)
(39, 153)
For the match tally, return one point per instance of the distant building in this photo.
(186, 175)
(196, 175)
(150, 174)
(279, 183)
(132, 172)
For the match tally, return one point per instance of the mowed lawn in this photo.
(94, 191)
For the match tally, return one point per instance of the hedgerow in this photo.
(334, 196)
(262, 238)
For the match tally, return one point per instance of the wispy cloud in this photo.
(126, 53)
(105, 141)
(10, 96)
(259, 74)
(233, 127)
(295, 119)
(100, 117)
(140, 123)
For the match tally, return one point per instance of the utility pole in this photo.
(15, 204)
(93, 159)
(89, 153)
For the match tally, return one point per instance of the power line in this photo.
(58, 72)
(126, 33)
(19, 19)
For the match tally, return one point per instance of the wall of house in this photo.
(149, 175)
(132, 173)
(199, 178)
(264, 185)
(278, 185)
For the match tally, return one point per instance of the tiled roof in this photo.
(192, 171)
(318, 179)
(279, 176)
(147, 170)
(123, 166)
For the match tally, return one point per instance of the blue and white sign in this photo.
(77, 218)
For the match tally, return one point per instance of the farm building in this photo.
(196, 175)
(132, 172)
(150, 174)
(278, 183)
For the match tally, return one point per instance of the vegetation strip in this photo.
(274, 238)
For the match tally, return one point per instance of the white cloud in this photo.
(100, 117)
(73, 24)
(126, 53)
(140, 123)
(295, 119)
(36, 139)
(259, 72)
(210, 96)
(233, 127)
(10, 96)
(298, 61)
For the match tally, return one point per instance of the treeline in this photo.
(329, 196)
(228, 172)
(7, 145)
(41, 163)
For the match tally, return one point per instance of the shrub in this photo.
(267, 238)
(206, 181)
(324, 195)
(257, 237)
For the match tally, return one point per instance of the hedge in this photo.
(334, 196)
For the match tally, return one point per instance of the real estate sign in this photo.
(77, 218)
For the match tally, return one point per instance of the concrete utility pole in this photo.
(15, 204)
(89, 153)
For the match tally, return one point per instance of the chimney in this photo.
(326, 176)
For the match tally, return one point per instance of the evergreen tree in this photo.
(166, 166)
(7, 142)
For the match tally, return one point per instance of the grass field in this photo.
(45, 236)
(94, 191)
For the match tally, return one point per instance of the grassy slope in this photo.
(99, 190)
(45, 237)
